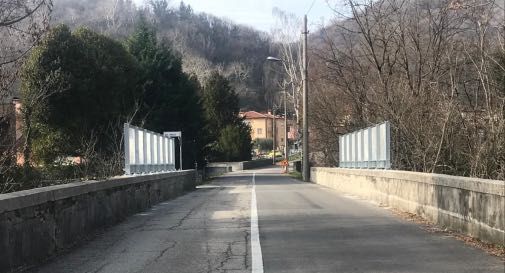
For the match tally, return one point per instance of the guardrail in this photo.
(147, 152)
(368, 148)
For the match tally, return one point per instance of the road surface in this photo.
(261, 221)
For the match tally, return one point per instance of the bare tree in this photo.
(487, 155)
(55, 82)
(22, 24)
(286, 35)
(428, 67)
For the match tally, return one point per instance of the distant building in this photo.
(262, 127)
(11, 128)
(7, 126)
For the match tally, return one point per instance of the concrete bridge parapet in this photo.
(39, 223)
(468, 205)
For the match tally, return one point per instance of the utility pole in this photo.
(285, 127)
(273, 134)
(305, 143)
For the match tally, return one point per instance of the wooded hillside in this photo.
(204, 41)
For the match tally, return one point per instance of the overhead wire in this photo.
(311, 6)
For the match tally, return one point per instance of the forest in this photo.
(203, 41)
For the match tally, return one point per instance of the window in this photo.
(259, 131)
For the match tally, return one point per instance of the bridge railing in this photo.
(368, 148)
(147, 152)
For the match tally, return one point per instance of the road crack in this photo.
(163, 251)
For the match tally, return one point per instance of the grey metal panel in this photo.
(147, 152)
(366, 148)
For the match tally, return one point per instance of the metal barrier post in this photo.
(388, 145)
(136, 149)
(126, 137)
(144, 144)
(370, 152)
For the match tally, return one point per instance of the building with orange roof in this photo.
(11, 128)
(262, 127)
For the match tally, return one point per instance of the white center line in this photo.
(256, 256)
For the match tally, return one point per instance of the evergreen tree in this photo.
(170, 100)
(234, 143)
(77, 88)
(230, 137)
(221, 103)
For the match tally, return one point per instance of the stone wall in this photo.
(468, 205)
(218, 168)
(247, 165)
(39, 223)
(213, 171)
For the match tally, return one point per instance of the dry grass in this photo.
(492, 249)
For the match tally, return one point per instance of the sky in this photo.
(258, 13)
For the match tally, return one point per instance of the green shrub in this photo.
(234, 143)
(264, 144)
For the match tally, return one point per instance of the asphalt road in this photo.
(302, 228)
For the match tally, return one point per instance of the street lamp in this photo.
(305, 102)
(273, 59)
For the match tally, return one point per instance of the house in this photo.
(11, 128)
(7, 125)
(262, 127)
(11, 132)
